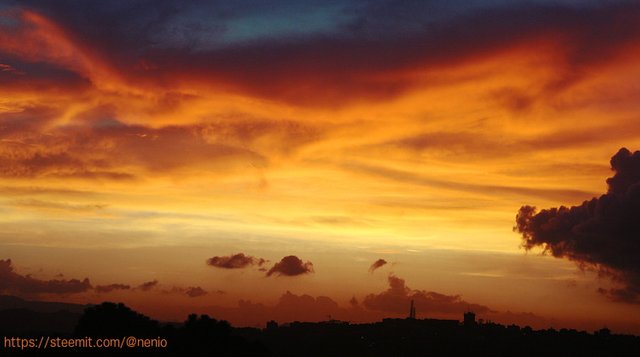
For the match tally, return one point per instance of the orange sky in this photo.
(129, 166)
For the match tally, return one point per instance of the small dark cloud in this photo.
(12, 282)
(195, 291)
(111, 287)
(235, 261)
(148, 285)
(397, 298)
(377, 264)
(600, 234)
(291, 266)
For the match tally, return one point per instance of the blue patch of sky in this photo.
(219, 25)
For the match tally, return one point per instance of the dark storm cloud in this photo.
(357, 52)
(397, 299)
(602, 233)
(377, 264)
(291, 266)
(235, 261)
(12, 282)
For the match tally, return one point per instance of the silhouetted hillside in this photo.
(28, 321)
(24, 316)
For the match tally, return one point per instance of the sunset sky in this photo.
(255, 160)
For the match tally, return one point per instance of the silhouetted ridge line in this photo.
(202, 335)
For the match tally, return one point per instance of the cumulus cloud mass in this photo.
(601, 234)
(397, 298)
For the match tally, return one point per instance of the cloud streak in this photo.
(111, 287)
(421, 180)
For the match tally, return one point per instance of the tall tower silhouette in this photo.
(412, 311)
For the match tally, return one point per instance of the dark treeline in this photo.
(205, 336)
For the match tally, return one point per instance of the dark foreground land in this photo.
(205, 336)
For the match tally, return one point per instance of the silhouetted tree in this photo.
(115, 320)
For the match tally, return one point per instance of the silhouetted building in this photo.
(412, 311)
(605, 332)
(469, 318)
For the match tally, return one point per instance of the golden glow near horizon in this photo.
(122, 176)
